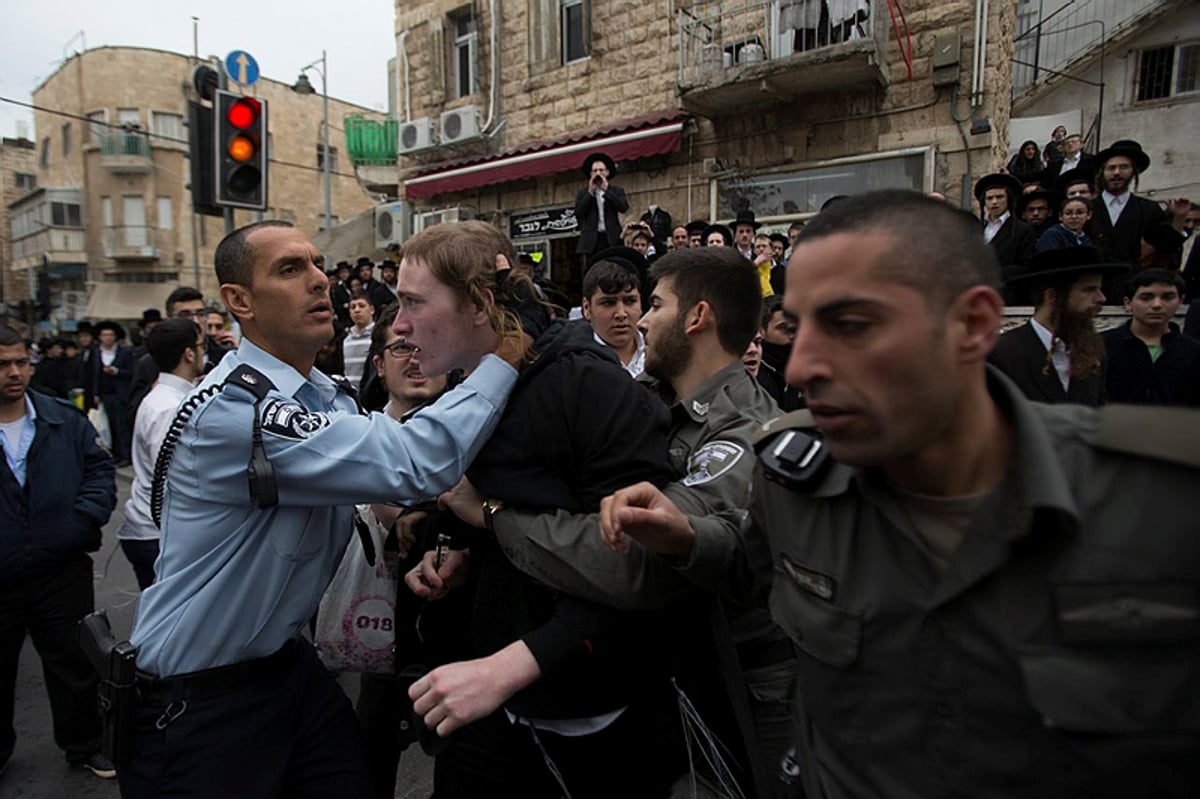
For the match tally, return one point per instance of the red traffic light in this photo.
(243, 113)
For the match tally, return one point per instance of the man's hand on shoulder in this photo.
(646, 515)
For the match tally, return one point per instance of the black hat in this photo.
(724, 231)
(696, 227)
(342, 265)
(85, 327)
(387, 263)
(1165, 239)
(1066, 262)
(746, 217)
(1053, 198)
(1128, 148)
(1079, 174)
(592, 158)
(150, 315)
(997, 180)
(109, 324)
(363, 260)
(779, 237)
(623, 256)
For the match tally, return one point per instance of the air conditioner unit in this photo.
(431, 218)
(459, 124)
(72, 298)
(391, 224)
(416, 135)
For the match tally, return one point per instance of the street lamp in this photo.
(302, 86)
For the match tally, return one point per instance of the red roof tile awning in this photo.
(623, 145)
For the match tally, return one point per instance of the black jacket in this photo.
(1021, 355)
(588, 216)
(1122, 242)
(68, 496)
(1173, 379)
(576, 428)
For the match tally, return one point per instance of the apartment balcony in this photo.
(55, 245)
(733, 55)
(133, 242)
(126, 153)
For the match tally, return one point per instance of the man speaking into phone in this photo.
(596, 207)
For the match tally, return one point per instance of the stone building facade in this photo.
(111, 219)
(18, 176)
(708, 107)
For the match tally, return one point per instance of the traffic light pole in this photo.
(228, 211)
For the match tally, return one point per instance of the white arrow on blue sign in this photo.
(241, 67)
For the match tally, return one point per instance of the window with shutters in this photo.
(575, 29)
(1167, 72)
(560, 31)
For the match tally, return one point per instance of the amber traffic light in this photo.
(241, 142)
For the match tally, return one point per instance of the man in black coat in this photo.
(597, 206)
(1120, 219)
(1012, 240)
(1057, 356)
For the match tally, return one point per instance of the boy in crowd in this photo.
(612, 302)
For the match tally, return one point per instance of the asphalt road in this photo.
(38, 770)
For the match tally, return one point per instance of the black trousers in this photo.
(290, 734)
(638, 756)
(118, 425)
(48, 609)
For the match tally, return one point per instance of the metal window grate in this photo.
(1154, 73)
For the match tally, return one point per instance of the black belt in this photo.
(219, 681)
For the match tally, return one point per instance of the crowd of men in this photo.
(765, 515)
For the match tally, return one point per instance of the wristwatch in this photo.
(490, 508)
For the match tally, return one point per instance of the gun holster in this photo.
(116, 663)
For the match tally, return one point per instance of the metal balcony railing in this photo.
(714, 36)
(126, 144)
(1054, 34)
(371, 142)
(132, 241)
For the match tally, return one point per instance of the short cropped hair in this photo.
(169, 339)
(771, 306)
(611, 278)
(181, 294)
(9, 337)
(723, 278)
(234, 257)
(1148, 277)
(938, 249)
(359, 294)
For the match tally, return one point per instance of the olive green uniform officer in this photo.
(1055, 655)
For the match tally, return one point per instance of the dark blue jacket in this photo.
(68, 496)
(1174, 379)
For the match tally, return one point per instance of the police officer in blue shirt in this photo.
(256, 511)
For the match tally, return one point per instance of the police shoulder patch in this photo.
(711, 461)
(289, 420)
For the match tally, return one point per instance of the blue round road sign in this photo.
(241, 67)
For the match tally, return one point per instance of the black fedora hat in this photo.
(746, 217)
(997, 180)
(696, 227)
(1128, 148)
(1053, 198)
(710, 229)
(586, 167)
(109, 324)
(150, 315)
(1050, 265)
(364, 260)
(1079, 174)
(387, 263)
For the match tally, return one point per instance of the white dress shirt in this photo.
(1061, 357)
(1115, 203)
(993, 227)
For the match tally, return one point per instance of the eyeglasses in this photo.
(202, 344)
(401, 350)
(8, 363)
(190, 314)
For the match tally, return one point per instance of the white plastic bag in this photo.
(99, 419)
(357, 616)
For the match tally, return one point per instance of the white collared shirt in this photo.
(1070, 163)
(1115, 203)
(993, 227)
(637, 364)
(1061, 357)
